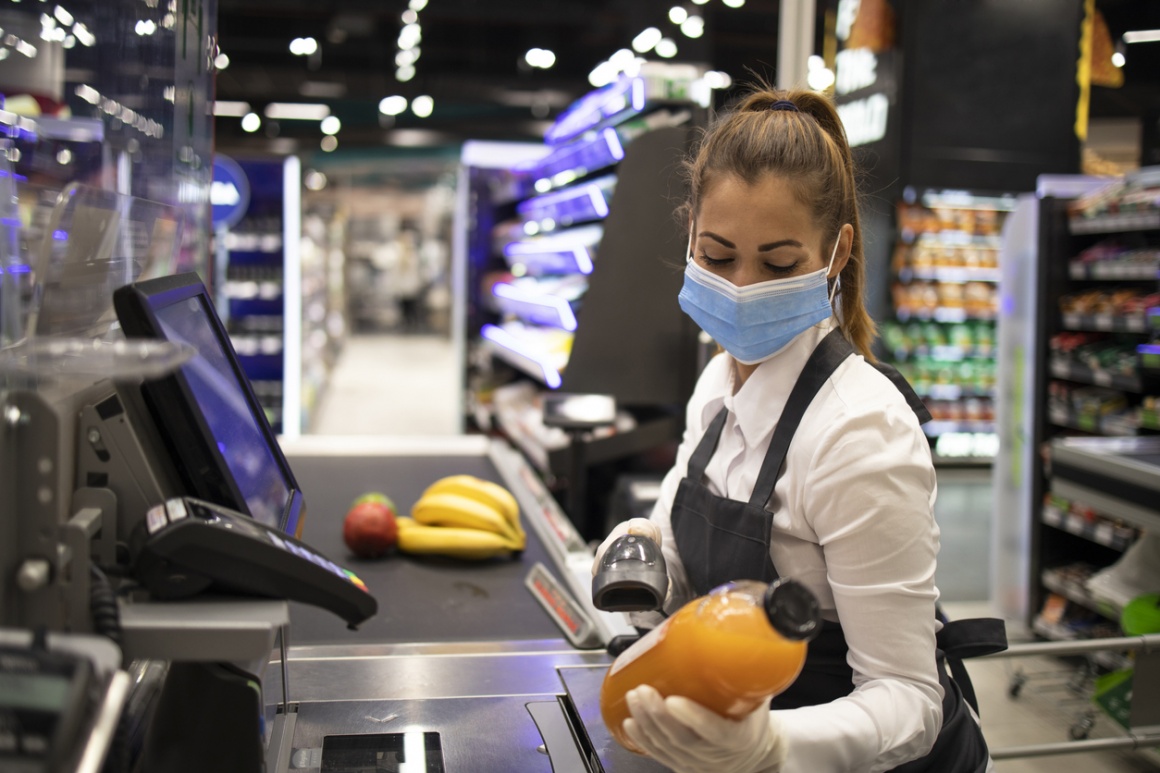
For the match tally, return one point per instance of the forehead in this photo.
(767, 205)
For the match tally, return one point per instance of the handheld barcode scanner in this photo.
(631, 576)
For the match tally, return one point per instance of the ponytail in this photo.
(796, 135)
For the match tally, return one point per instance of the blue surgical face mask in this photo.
(755, 322)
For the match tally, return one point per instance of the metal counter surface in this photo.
(421, 599)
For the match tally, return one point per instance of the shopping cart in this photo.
(1129, 696)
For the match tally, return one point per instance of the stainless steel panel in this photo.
(437, 671)
(583, 686)
(479, 735)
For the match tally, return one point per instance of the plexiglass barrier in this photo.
(61, 256)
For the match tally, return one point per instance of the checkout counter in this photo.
(480, 654)
(190, 572)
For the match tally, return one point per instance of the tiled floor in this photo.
(409, 385)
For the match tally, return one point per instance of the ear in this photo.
(845, 247)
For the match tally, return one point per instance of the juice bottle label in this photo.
(646, 643)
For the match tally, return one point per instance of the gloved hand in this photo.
(690, 738)
(642, 526)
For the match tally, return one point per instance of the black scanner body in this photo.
(631, 576)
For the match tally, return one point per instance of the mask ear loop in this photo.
(689, 247)
(838, 279)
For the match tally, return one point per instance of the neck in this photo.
(743, 372)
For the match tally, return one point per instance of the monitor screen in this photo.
(215, 429)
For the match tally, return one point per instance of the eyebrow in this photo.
(760, 248)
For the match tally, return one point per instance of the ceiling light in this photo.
(693, 27)
(666, 47)
(622, 59)
(417, 5)
(700, 2)
(409, 16)
(405, 73)
(296, 111)
(820, 79)
(314, 180)
(64, 16)
(328, 143)
(734, 3)
(410, 35)
(1142, 36)
(330, 124)
(393, 105)
(251, 122)
(715, 79)
(677, 14)
(646, 40)
(602, 74)
(303, 46)
(540, 57)
(815, 62)
(422, 105)
(234, 109)
(221, 62)
(1118, 59)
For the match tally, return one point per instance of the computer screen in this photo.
(214, 427)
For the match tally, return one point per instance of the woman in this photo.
(846, 508)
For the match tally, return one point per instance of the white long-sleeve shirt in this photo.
(853, 521)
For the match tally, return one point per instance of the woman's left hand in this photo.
(690, 738)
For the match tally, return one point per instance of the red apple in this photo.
(370, 529)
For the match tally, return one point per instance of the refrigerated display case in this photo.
(1076, 349)
(572, 268)
(941, 337)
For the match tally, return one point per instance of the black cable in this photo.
(103, 606)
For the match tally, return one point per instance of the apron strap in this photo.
(822, 363)
(912, 399)
(707, 445)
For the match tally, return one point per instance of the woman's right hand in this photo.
(639, 526)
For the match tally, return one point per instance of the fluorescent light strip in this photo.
(233, 109)
(501, 337)
(614, 145)
(1142, 36)
(296, 111)
(560, 306)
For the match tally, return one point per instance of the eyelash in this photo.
(717, 263)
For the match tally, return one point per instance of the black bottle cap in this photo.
(793, 610)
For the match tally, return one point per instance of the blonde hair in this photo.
(807, 147)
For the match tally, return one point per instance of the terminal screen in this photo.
(231, 421)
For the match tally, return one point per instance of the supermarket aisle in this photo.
(392, 385)
(407, 385)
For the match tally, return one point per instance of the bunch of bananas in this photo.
(463, 517)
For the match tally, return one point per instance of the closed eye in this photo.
(782, 270)
(715, 262)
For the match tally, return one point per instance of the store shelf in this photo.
(1074, 371)
(1098, 530)
(1057, 581)
(950, 274)
(533, 352)
(936, 428)
(1055, 632)
(944, 314)
(1133, 221)
(1112, 424)
(1114, 270)
(1107, 323)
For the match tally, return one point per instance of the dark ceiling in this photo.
(471, 62)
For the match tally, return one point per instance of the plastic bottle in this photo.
(730, 651)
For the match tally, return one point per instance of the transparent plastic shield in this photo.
(95, 241)
(62, 256)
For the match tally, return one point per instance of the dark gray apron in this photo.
(721, 540)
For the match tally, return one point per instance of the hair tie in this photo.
(784, 104)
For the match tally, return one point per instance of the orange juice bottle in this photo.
(730, 651)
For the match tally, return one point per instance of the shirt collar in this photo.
(759, 403)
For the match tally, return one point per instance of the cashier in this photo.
(831, 484)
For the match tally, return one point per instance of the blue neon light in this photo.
(60, 236)
(614, 145)
(505, 339)
(560, 308)
(19, 268)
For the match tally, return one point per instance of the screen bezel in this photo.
(174, 407)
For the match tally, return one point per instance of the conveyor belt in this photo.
(421, 599)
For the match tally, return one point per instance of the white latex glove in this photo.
(642, 526)
(690, 738)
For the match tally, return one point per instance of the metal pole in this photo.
(1076, 747)
(1147, 643)
(795, 42)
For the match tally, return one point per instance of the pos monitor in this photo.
(214, 428)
